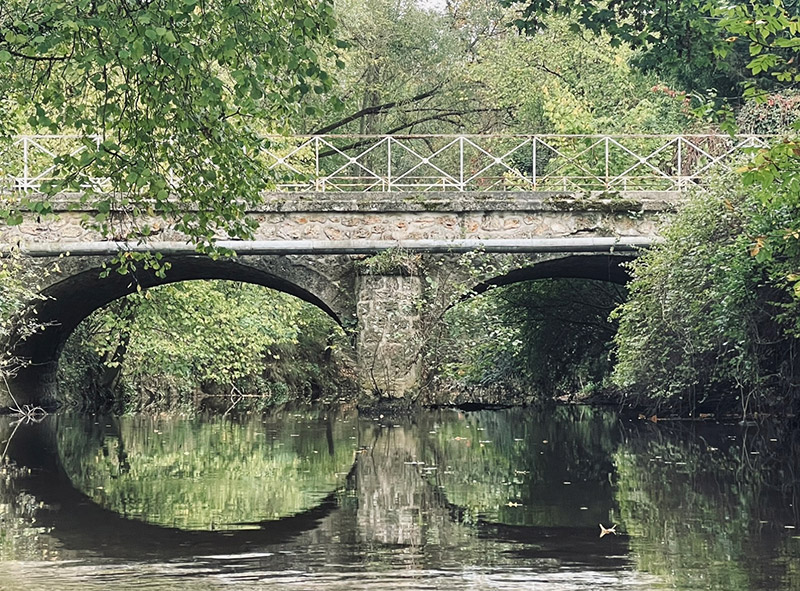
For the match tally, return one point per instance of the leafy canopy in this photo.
(174, 91)
(695, 41)
(705, 327)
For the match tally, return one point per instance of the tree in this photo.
(406, 68)
(557, 81)
(170, 98)
(688, 39)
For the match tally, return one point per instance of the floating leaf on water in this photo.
(604, 531)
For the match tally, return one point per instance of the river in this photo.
(441, 499)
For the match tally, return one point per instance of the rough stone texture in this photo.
(391, 216)
(388, 343)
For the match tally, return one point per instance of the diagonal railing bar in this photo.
(351, 160)
(697, 147)
(284, 160)
(28, 180)
(642, 160)
(426, 160)
(42, 175)
(742, 144)
(498, 160)
(570, 160)
(715, 160)
(32, 181)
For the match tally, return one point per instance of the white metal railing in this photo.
(339, 163)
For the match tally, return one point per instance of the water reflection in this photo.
(712, 507)
(443, 500)
(522, 468)
(210, 474)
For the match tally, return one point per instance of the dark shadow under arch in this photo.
(602, 267)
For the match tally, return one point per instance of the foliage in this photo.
(480, 347)
(18, 300)
(499, 462)
(408, 68)
(208, 473)
(772, 33)
(700, 330)
(686, 40)
(559, 82)
(548, 338)
(405, 68)
(169, 96)
(776, 114)
(392, 261)
(222, 338)
(565, 330)
(693, 500)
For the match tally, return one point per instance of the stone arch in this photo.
(599, 266)
(78, 289)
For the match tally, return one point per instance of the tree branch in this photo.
(39, 58)
(374, 110)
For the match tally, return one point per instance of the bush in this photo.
(702, 329)
(546, 338)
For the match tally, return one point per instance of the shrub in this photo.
(702, 329)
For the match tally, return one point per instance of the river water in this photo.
(445, 499)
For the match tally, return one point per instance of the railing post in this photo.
(680, 162)
(533, 162)
(607, 183)
(461, 164)
(389, 163)
(25, 169)
(319, 187)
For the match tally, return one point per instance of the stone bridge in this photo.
(384, 254)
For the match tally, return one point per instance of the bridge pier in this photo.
(388, 339)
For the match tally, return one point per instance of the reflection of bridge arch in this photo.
(34, 446)
(78, 289)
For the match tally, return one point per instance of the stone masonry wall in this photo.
(387, 347)
(390, 216)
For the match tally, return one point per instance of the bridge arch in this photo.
(598, 266)
(77, 289)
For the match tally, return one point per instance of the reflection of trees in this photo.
(704, 508)
(510, 466)
(415, 489)
(207, 474)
